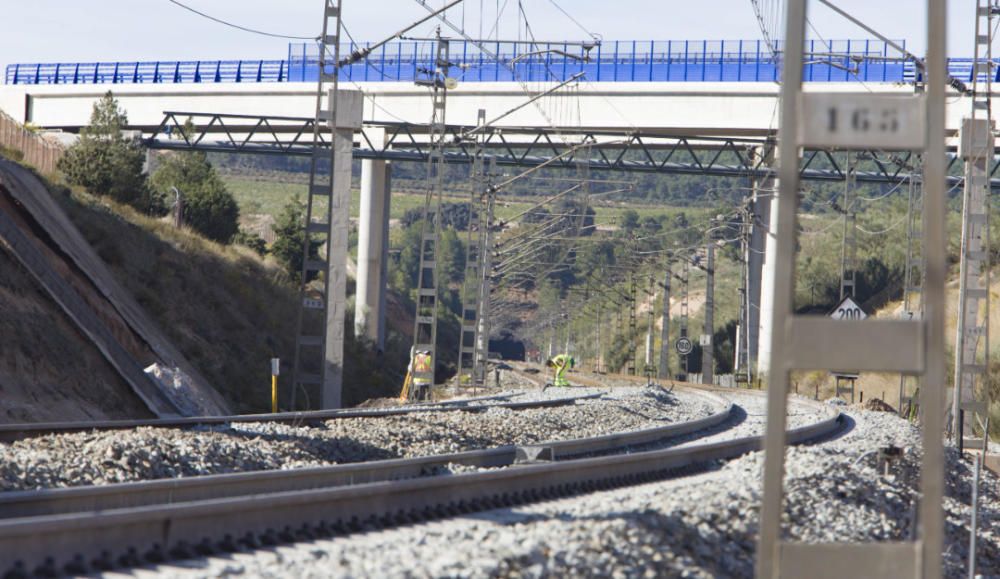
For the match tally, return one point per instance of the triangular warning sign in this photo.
(848, 310)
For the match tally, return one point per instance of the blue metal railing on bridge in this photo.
(611, 61)
(202, 71)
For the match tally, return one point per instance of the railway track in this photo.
(12, 432)
(86, 529)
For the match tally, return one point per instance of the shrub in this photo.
(251, 240)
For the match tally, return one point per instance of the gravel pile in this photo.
(148, 453)
(702, 526)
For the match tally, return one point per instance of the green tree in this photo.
(106, 162)
(209, 208)
(289, 239)
(451, 253)
(630, 220)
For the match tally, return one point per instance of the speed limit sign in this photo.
(683, 346)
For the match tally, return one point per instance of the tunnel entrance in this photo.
(507, 347)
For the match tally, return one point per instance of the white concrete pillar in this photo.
(763, 189)
(348, 120)
(373, 233)
(767, 284)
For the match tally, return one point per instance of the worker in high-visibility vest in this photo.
(422, 370)
(561, 363)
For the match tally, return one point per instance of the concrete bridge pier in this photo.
(761, 262)
(373, 245)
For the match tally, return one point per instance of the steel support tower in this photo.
(425, 320)
(472, 283)
(649, 369)
(633, 331)
(973, 332)
(849, 248)
(912, 278)
(319, 346)
(802, 342)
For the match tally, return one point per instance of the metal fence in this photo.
(611, 61)
(35, 150)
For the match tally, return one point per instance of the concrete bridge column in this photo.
(762, 259)
(373, 243)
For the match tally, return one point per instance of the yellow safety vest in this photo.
(421, 365)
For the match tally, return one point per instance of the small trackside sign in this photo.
(848, 310)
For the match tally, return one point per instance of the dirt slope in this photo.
(48, 370)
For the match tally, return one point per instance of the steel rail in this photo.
(12, 432)
(87, 541)
(32, 503)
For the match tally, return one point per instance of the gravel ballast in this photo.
(150, 453)
(700, 526)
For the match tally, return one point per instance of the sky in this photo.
(129, 30)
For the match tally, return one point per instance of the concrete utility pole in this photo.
(686, 269)
(319, 342)
(599, 355)
(766, 202)
(707, 346)
(373, 245)
(764, 187)
(178, 208)
(664, 369)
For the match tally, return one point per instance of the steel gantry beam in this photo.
(665, 151)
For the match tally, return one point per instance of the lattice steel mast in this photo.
(317, 362)
(972, 343)
(425, 320)
(849, 249)
(912, 278)
(683, 314)
(472, 283)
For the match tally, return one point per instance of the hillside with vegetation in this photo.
(223, 304)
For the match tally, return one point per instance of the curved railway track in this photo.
(86, 529)
(11, 432)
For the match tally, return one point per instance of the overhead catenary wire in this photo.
(239, 26)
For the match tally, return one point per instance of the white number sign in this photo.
(861, 121)
(848, 310)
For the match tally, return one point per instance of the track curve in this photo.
(156, 531)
